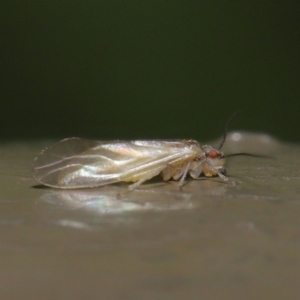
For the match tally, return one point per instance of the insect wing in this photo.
(55, 162)
(78, 163)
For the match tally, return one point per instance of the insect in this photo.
(79, 163)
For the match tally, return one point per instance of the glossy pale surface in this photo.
(213, 240)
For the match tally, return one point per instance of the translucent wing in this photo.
(78, 163)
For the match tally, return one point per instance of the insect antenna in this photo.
(248, 154)
(226, 129)
(240, 153)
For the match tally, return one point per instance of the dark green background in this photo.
(149, 69)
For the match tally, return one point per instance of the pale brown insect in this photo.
(78, 163)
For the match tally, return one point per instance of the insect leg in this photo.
(186, 168)
(174, 169)
(146, 177)
(196, 171)
(218, 172)
(221, 175)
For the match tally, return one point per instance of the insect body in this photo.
(79, 163)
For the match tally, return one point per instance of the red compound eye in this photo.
(213, 153)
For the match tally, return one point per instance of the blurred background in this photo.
(149, 69)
